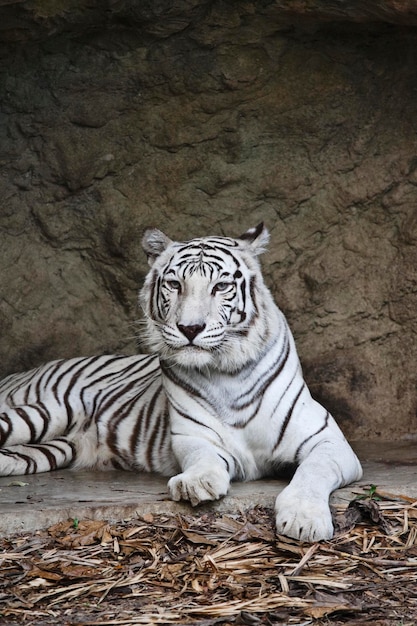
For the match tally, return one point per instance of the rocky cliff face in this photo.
(208, 117)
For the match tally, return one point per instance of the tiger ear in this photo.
(257, 238)
(154, 242)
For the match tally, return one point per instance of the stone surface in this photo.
(209, 118)
(32, 502)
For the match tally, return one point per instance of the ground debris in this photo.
(214, 569)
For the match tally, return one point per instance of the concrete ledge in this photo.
(34, 502)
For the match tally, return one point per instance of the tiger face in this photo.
(203, 298)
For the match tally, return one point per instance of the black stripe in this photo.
(44, 415)
(196, 421)
(151, 445)
(135, 439)
(169, 373)
(65, 441)
(165, 438)
(243, 294)
(191, 252)
(142, 422)
(5, 434)
(45, 377)
(115, 393)
(225, 461)
(31, 465)
(275, 370)
(49, 455)
(103, 361)
(288, 418)
(79, 366)
(26, 419)
(326, 421)
(118, 416)
(252, 290)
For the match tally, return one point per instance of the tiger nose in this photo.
(192, 331)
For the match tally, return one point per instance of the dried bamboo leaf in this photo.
(212, 568)
(197, 537)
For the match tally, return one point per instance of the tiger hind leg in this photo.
(31, 423)
(36, 458)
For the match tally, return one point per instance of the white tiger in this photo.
(224, 399)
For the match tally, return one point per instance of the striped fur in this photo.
(100, 412)
(224, 399)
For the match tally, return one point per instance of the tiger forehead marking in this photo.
(209, 257)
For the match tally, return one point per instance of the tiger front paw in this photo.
(303, 518)
(196, 485)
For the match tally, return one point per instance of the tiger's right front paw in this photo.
(197, 485)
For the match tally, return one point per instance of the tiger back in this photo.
(224, 399)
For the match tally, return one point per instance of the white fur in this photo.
(226, 415)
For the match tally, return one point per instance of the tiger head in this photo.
(204, 300)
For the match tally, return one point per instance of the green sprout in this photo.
(371, 493)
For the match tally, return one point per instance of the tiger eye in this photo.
(174, 284)
(223, 286)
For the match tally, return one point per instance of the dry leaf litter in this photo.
(216, 569)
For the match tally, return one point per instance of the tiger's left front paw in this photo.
(199, 485)
(303, 518)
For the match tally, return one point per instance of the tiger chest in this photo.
(223, 408)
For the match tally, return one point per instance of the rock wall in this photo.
(208, 117)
